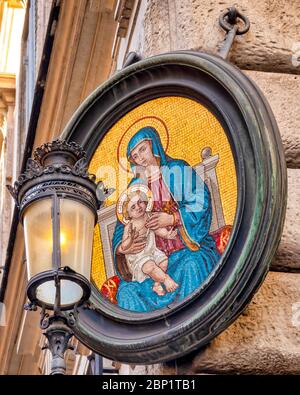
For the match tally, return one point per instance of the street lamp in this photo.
(57, 201)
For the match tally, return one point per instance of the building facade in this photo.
(67, 49)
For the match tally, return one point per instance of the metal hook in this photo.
(228, 20)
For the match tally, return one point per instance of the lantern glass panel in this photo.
(70, 292)
(76, 229)
(76, 236)
(38, 236)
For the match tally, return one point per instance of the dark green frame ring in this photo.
(262, 188)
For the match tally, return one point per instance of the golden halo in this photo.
(151, 120)
(123, 197)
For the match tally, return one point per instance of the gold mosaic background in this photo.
(191, 128)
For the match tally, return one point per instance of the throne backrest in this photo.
(206, 169)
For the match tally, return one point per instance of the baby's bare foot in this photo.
(157, 288)
(170, 284)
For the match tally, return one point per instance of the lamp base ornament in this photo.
(57, 329)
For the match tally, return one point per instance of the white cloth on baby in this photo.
(135, 262)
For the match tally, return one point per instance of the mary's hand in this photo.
(159, 220)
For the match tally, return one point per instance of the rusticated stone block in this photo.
(270, 45)
(282, 93)
(265, 339)
(288, 253)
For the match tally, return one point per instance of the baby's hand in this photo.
(131, 235)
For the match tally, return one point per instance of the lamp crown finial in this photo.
(58, 147)
(54, 160)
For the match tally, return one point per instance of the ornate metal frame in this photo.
(57, 168)
(261, 171)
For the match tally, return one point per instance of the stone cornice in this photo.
(16, 3)
(7, 89)
(7, 80)
(123, 13)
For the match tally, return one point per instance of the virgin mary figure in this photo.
(182, 202)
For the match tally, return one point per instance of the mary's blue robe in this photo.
(189, 266)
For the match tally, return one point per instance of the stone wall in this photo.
(266, 337)
(184, 24)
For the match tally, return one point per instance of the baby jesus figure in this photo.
(150, 262)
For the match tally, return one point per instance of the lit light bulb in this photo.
(63, 239)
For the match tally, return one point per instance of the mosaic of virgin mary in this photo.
(162, 248)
